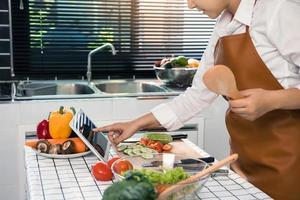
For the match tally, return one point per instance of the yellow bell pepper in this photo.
(59, 124)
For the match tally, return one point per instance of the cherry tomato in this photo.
(144, 141)
(112, 160)
(102, 172)
(167, 147)
(156, 146)
(150, 143)
(121, 166)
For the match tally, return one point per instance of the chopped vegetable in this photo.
(136, 149)
(161, 137)
(121, 166)
(167, 147)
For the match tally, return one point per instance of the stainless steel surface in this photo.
(123, 86)
(180, 77)
(89, 65)
(76, 89)
(152, 97)
(29, 89)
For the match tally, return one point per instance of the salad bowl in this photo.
(164, 170)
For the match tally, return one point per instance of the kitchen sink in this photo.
(129, 87)
(45, 88)
(76, 89)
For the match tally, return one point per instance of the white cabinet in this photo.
(216, 138)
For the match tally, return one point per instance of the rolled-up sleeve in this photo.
(173, 114)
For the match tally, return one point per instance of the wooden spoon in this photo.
(220, 80)
(197, 176)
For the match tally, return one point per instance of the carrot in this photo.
(31, 143)
(79, 145)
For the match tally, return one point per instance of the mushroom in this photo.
(43, 146)
(68, 147)
(55, 149)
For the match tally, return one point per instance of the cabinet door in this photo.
(216, 139)
(130, 108)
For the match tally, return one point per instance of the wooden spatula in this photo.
(220, 80)
(197, 176)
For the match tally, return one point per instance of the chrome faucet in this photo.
(89, 65)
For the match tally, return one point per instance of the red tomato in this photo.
(102, 172)
(112, 160)
(156, 146)
(167, 147)
(144, 141)
(121, 166)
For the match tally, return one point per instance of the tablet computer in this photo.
(97, 142)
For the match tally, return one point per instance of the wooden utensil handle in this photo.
(197, 176)
(236, 95)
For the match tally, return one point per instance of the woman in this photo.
(260, 42)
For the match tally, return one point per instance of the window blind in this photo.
(53, 37)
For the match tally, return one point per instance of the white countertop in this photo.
(57, 179)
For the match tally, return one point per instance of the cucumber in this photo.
(137, 152)
(164, 138)
(147, 155)
(128, 151)
(121, 147)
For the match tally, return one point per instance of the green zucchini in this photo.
(164, 138)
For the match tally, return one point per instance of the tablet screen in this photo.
(100, 143)
(81, 124)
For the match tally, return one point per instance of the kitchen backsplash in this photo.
(5, 56)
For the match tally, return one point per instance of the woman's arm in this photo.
(286, 99)
(120, 131)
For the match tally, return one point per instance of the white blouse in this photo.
(275, 32)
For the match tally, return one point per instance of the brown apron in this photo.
(269, 147)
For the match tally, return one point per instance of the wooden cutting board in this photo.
(180, 147)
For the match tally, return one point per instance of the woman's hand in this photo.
(120, 131)
(256, 102)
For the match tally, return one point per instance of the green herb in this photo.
(169, 176)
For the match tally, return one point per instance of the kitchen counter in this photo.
(51, 179)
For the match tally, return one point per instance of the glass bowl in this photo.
(161, 161)
(178, 77)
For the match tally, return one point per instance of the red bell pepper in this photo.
(42, 130)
